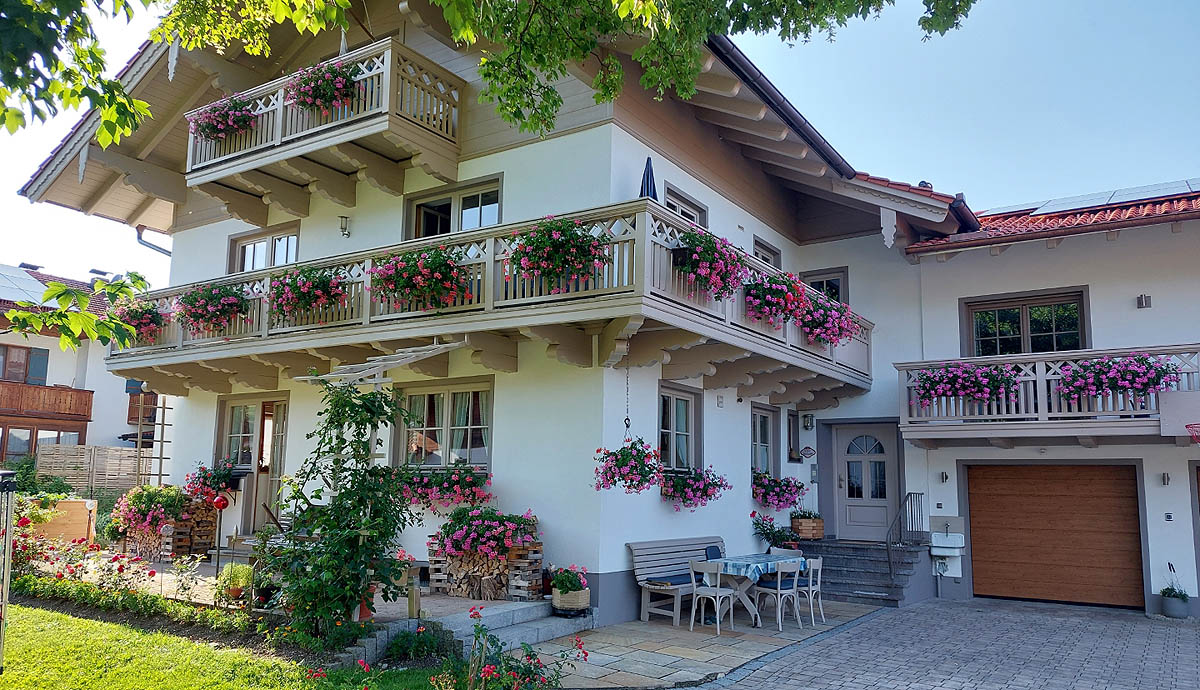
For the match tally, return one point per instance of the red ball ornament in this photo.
(221, 502)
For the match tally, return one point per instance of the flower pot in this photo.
(680, 256)
(234, 592)
(571, 601)
(809, 529)
(1174, 607)
(364, 606)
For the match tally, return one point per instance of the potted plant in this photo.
(693, 489)
(710, 263)
(977, 382)
(559, 250)
(223, 119)
(234, 579)
(1174, 597)
(210, 308)
(824, 321)
(206, 483)
(323, 87)
(304, 289)
(1137, 373)
(453, 486)
(766, 530)
(807, 524)
(776, 493)
(774, 299)
(570, 593)
(143, 317)
(634, 465)
(429, 278)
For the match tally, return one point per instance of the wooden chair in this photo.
(703, 593)
(813, 589)
(783, 587)
(661, 570)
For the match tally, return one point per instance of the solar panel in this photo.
(18, 286)
(1194, 183)
(1150, 191)
(1073, 202)
(1011, 209)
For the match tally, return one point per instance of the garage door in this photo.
(1056, 532)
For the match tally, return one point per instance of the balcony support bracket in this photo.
(567, 345)
(493, 351)
(382, 173)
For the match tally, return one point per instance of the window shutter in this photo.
(39, 359)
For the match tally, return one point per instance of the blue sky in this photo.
(1030, 100)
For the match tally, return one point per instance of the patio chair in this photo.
(813, 589)
(716, 593)
(782, 587)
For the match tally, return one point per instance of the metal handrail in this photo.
(907, 518)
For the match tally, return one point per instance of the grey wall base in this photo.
(616, 598)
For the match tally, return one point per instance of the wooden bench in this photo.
(661, 568)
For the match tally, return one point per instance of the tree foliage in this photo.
(70, 318)
(527, 45)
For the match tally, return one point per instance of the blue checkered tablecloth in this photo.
(755, 565)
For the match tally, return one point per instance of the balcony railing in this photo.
(638, 237)
(1037, 398)
(391, 79)
(45, 402)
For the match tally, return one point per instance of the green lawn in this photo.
(45, 649)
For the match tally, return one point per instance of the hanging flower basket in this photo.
(223, 119)
(558, 250)
(208, 309)
(775, 299)
(712, 265)
(144, 317)
(634, 466)
(431, 278)
(304, 289)
(977, 382)
(825, 321)
(693, 489)
(775, 493)
(323, 87)
(1136, 373)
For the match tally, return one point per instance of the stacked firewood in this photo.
(518, 577)
(195, 534)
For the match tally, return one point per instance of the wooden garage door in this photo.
(1056, 532)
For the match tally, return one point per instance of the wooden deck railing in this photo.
(1037, 397)
(45, 402)
(391, 79)
(638, 237)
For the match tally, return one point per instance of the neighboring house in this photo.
(52, 396)
(529, 383)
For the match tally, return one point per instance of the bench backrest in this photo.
(667, 557)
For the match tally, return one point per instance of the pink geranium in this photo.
(711, 264)
(634, 465)
(558, 250)
(1138, 374)
(223, 119)
(977, 382)
(693, 489)
(430, 278)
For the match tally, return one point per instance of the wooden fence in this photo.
(93, 470)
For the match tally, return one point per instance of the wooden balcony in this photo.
(45, 402)
(638, 289)
(405, 109)
(1040, 413)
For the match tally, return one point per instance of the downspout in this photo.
(146, 243)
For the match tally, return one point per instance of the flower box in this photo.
(571, 601)
(808, 528)
(711, 264)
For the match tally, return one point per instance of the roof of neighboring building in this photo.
(1050, 219)
(98, 304)
(926, 190)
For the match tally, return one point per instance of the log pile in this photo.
(195, 534)
(474, 576)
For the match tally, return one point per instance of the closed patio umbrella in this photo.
(648, 189)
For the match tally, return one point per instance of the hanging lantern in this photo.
(8, 499)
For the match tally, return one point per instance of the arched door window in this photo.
(874, 473)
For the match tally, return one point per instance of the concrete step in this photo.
(874, 565)
(865, 576)
(514, 623)
(864, 597)
(906, 553)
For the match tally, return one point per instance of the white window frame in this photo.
(692, 435)
(685, 206)
(841, 272)
(455, 195)
(399, 452)
(269, 237)
(767, 253)
(770, 443)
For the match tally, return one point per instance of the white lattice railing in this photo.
(390, 79)
(1037, 397)
(638, 237)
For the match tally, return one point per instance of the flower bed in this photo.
(711, 264)
(145, 319)
(303, 289)
(978, 382)
(558, 250)
(825, 321)
(460, 485)
(429, 277)
(634, 465)
(777, 493)
(693, 489)
(774, 299)
(322, 87)
(485, 531)
(207, 309)
(223, 119)
(1137, 373)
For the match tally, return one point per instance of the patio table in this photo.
(746, 570)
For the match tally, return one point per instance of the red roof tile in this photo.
(98, 304)
(904, 187)
(1010, 226)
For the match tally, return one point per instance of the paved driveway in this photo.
(992, 645)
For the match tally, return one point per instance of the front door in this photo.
(867, 480)
(253, 439)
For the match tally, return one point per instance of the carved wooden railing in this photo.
(637, 236)
(1037, 397)
(391, 79)
(47, 402)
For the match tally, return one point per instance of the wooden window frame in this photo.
(270, 234)
(761, 245)
(774, 466)
(4, 363)
(842, 272)
(455, 194)
(223, 405)
(674, 197)
(695, 435)
(398, 452)
(150, 409)
(36, 427)
(967, 306)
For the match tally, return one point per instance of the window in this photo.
(139, 408)
(767, 253)
(452, 426)
(241, 428)
(18, 443)
(469, 208)
(876, 470)
(677, 429)
(275, 247)
(691, 210)
(1047, 323)
(762, 441)
(833, 283)
(24, 364)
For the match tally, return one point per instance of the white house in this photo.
(548, 378)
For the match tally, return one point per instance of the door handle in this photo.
(841, 481)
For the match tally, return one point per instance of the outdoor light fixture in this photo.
(945, 477)
(1144, 302)
(344, 225)
(8, 499)
(809, 421)
(1166, 478)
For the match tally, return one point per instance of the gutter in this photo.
(743, 69)
(967, 221)
(147, 243)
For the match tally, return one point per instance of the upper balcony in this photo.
(45, 402)
(636, 310)
(405, 111)
(1042, 413)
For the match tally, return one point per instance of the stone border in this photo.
(373, 647)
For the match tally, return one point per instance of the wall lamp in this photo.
(945, 477)
(344, 225)
(1166, 478)
(809, 421)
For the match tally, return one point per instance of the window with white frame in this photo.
(469, 208)
(264, 250)
(762, 441)
(767, 253)
(449, 425)
(688, 208)
(677, 428)
(833, 283)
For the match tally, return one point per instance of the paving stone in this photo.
(642, 668)
(588, 670)
(682, 677)
(632, 680)
(574, 681)
(689, 653)
(660, 658)
(701, 667)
